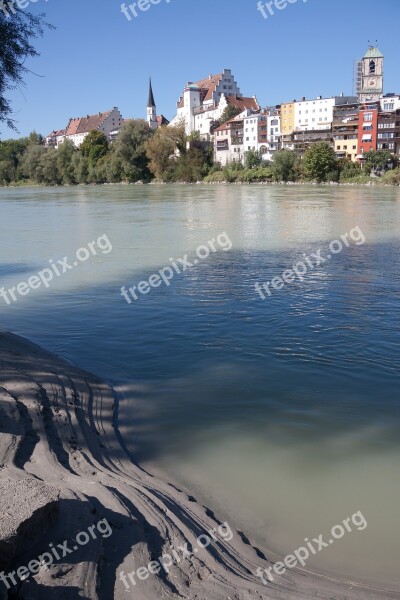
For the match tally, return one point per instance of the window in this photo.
(387, 106)
(368, 116)
(367, 128)
(372, 67)
(354, 147)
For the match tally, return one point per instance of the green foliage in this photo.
(391, 177)
(17, 31)
(257, 175)
(229, 113)
(285, 165)
(378, 160)
(31, 162)
(65, 165)
(215, 177)
(320, 163)
(130, 148)
(252, 159)
(94, 146)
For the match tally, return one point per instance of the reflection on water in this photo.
(281, 414)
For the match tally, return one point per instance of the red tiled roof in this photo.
(86, 124)
(208, 86)
(243, 103)
(222, 127)
(56, 132)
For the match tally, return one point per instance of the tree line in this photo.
(170, 155)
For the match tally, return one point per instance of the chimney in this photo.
(303, 99)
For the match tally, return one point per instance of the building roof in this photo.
(243, 103)
(161, 120)
(207, 87)
(373, 52)
(56, 132)
(151, 101)
(86, 124)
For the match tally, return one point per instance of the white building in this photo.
(313, 115)
(77, 129)
(269, 133)
(204, 101)
(228, 141)
(390, 102)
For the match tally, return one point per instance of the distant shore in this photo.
(372, 183)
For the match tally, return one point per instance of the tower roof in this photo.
(150, 102)
(373, 52)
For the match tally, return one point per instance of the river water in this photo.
(282, 414)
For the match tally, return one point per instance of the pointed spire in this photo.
(150, 102)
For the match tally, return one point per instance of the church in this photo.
(153, 120)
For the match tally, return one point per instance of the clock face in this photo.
(372, 83)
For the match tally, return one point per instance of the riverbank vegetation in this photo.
(168, 155)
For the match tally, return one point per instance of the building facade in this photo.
(371, 85)
(389, 132)
(77, 129)
(367, 128)
(203, 102)
(345, 130)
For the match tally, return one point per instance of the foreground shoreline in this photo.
(59, 429)
(372, 183)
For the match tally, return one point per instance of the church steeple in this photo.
(151, 102)
(151, 109)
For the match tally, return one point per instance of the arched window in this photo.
(372, 67)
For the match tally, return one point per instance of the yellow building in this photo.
(287, 118)
(347, 147)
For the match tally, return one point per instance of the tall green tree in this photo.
(252, 159)
(379, 159)
(94, 146)
(285, 165)
(65, 165)
(320, 162)
(163, 149)
(129, 147)
(18, 30)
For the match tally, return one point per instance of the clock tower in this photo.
(371, 80)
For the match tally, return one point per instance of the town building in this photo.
(51, 139)
(313, 115)
(390, 102)
(367, 128)
(370, 85)
(77, 129)
(310, 122)
(269, 132)
(203, 102)
(345, 130)
(389, 131)
(228, 141)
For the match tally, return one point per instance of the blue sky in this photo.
(97, 59)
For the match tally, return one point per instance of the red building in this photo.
(367, 128)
